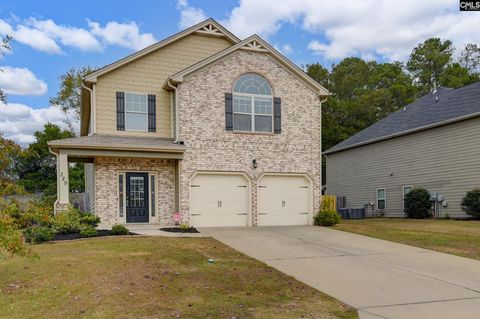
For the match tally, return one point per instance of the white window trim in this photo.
(146, 113)
(403, 195)
(384, 199)
(252, 108)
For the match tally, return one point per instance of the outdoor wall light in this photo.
(254, 163)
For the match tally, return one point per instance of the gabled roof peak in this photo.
(208, 27)
(252, 43)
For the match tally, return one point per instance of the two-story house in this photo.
(225, 132)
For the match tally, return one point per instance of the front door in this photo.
(137, 198)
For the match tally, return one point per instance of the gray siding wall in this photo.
(90, 186)
(444, 160)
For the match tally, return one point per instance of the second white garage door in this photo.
(283, 200)
(219, 200)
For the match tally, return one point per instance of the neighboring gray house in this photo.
(432, 143)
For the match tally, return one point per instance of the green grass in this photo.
(449, 236)
(154, 277)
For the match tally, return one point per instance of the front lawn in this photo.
(154, 277)
(449, 236)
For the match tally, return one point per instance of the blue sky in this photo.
(51, 37)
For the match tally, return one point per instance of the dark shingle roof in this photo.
(432, 109)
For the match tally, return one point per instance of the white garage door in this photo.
(283, 200)
(219, 200)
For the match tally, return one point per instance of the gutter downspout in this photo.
(176, 163)
(177, 130)
(92, 107)
(323, 99)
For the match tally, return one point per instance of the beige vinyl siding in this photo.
(90, 186)
(147, 75)
(444, 160)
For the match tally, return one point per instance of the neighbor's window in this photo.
(120, 195)
(252, 104)
(406, 190)
(381, 198)
(152, 194)
(136, 117)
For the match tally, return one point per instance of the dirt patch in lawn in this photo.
(154, 277)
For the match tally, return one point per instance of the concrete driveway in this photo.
(380, 278)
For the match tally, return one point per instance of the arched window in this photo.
(252, 104)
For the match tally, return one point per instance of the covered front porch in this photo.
(127, 179)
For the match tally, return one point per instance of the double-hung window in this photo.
(252, 104)
(381, 198)
(136, 114)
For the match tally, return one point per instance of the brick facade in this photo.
(106, 187)
(201, 107)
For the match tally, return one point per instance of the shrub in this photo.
(12, 241)
(184, 226)
(327, 218)
(88, 231)
(119, 230)
(417, 204)
(38, 234)
(471, 203)
(88, 219)
(67, 221)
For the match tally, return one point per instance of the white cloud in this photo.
(36, 39)
(19, 121)
(189, 15)
(388, 28)
(48, 36)
(69, 36)
(21, 81)
(287, 49)
(122, 34)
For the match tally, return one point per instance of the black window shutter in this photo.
(277, 115)
(152, 113)
(228, 112)
(120, 111)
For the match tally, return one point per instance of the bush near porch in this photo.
(35, 223)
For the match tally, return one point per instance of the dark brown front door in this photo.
(137, 198)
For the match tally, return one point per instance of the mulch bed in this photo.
(180, 230)
(72, 236)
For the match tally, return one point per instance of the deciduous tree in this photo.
(4, 46)
(37, 171)
(69, 95)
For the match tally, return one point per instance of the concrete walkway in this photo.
(381, 279)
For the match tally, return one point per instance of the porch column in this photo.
(62, 180)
